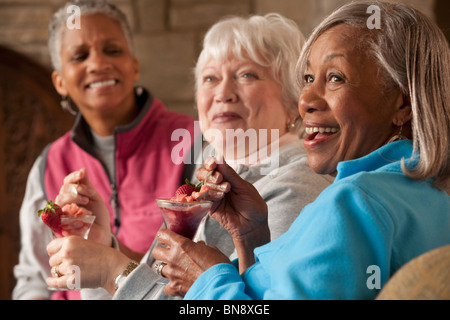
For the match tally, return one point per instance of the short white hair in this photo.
(270, 41)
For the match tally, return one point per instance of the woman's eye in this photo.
(335, 78)
(250, 75)
(208, 79)
(309, 78)
(113, 51)
(79, 57)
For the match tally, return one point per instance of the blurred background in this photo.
(168, 37)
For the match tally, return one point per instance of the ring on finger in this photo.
(159, 268)
(55, 271)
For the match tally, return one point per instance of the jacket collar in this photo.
(81, 132)
(387, 157)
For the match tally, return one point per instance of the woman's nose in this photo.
(310, 101)
(97, 62)
(226, 92)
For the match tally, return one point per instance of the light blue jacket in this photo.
(347, 243)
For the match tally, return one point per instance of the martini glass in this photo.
(182, 218)
(76, 225)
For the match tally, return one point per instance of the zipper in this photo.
(114, 201)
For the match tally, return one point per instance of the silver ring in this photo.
(159, 268)
(55, 272)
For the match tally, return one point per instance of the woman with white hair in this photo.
(376, 107)
(245, 82)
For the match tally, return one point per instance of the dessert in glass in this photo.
(69, 220)
(183, 214)
(183, 217)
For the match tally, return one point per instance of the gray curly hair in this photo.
(59, 19)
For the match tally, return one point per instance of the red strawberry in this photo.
(200, 194)
(186, 189)
(51, 215)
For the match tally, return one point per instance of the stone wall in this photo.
(168, 33)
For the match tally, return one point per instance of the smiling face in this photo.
(346, 110)
(98, 70)
(240, 94)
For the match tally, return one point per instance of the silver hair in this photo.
(270, 41)
(59, 19)
(413, 55)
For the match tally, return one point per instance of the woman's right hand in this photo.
(78, 189)
(238, 207)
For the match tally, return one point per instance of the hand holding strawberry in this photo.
(238, 207)
(69, 220)
(78, 189)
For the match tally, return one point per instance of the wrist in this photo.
(119, 265)
(125, 273)
(246, 244)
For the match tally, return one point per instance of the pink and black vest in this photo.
(144, 169)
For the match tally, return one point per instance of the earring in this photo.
(66, 105)
(291, 126)
(398, 136)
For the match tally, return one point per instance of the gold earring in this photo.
(291, 126)
(398, 136)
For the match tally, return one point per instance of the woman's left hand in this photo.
(186, 260)
(84, 264)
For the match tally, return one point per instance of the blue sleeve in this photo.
(220, 282)
(333, 249)
(328, 253)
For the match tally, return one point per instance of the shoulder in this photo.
(172, 118)
(291, 171)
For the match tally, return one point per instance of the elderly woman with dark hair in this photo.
(122, 135)
(376, 107)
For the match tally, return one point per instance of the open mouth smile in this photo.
(102, 84)
(319, 135)
(312, 130)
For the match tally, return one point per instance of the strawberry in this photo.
(51, 216)
(189, 192)
(200, 194)
(186, 189)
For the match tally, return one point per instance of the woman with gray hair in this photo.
(244, 84)
(365, 94)
(122, 135)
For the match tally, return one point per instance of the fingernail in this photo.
(74, 191)
(209, 161)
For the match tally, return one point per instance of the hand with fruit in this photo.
(238, 207)
(100, 264)
(78, 189)
(67, 220)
